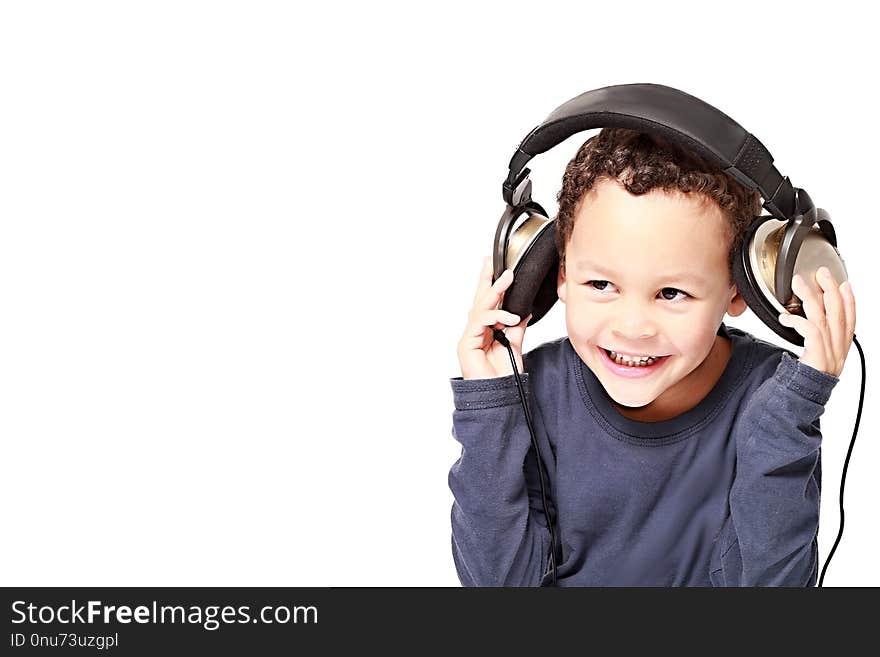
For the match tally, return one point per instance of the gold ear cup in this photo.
(523, 236)
(815, 251)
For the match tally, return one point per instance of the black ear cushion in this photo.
(744, 278)
(534, 278)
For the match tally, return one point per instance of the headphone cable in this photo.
(499, 335)
(846, 461)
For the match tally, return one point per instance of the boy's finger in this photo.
(516, 333)
(813, 342)
(849, 305)
(814, 309)
(496, 291)
(834, 313)
(494, 318)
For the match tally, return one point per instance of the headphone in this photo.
(795, 238)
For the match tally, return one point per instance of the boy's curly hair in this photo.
(640, 163)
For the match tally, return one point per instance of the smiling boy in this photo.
(680, 251)
(679, 451)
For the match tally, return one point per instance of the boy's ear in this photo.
(560, 283)
(737, 305)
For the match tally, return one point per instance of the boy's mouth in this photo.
(626, 359)
(631, 364)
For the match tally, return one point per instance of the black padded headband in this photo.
(679, 117)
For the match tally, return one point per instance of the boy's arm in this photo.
(774, 500)
(496, 541)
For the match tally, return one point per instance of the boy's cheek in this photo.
(580, 332)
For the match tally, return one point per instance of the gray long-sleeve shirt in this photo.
(725, 494)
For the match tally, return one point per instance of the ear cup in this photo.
(530, 251)
(533, 290)
(747, 286)
(754, 268)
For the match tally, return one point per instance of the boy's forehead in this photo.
(684, 239)
(652, 233)
(673, 222)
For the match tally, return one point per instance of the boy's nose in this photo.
(632, 323)
(634, 331)
(632, 338)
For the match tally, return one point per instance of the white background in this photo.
(239, 242)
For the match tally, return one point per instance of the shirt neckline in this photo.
(673, 429)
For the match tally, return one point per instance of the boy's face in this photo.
(650, 249)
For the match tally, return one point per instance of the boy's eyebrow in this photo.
(684, 276)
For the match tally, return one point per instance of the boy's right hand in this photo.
(480, 355)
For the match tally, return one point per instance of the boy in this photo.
(699, 466)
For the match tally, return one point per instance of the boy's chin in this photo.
(632, 400)
(631, 403)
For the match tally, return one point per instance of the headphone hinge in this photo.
(520, 192)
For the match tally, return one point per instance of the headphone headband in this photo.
(679, 117)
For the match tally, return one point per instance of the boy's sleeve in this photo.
(774, 500)
(496, 541)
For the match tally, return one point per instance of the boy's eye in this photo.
(668, 293)
(673, 291)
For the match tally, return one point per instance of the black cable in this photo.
(846, 462)
(499, 335)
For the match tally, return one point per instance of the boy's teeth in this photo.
(626, 360)
(616, 355)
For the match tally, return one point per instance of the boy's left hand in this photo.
(830, 321)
